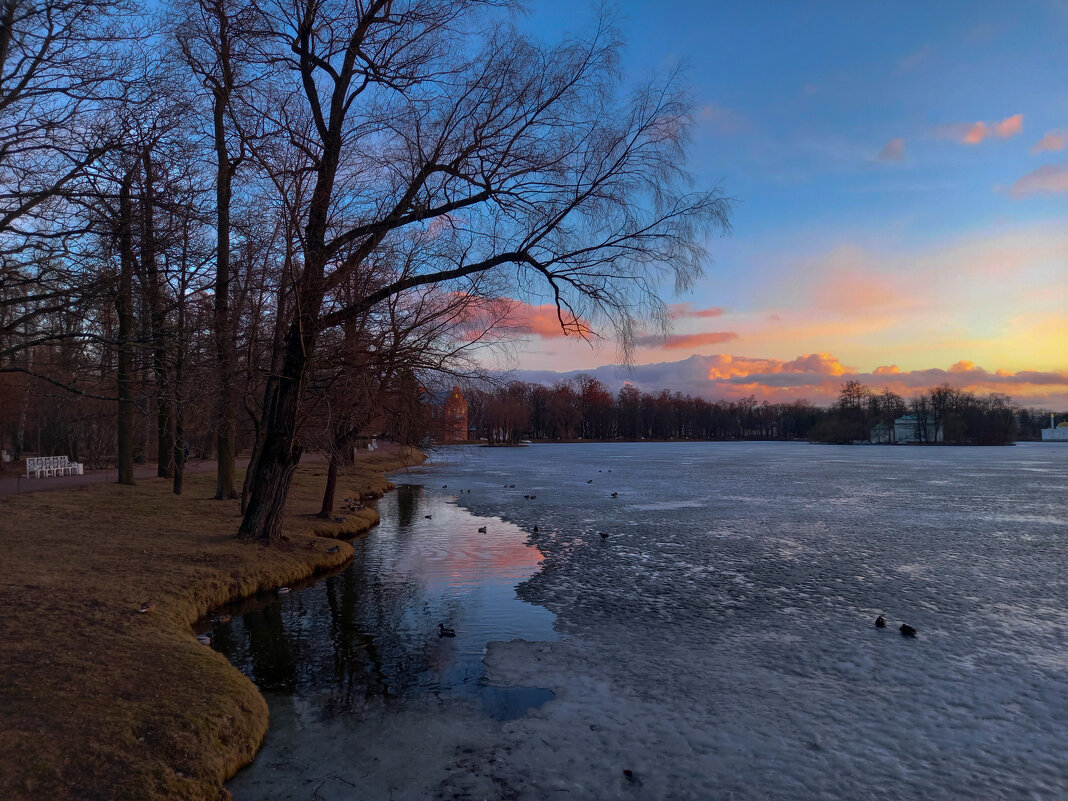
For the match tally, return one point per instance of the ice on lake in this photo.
(719, 643)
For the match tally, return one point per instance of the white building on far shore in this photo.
(1055, 433)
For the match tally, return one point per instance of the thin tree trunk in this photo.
(124, 310)
(342, 445)
(179, 429)
(158, 322)
(225, 425)
(179, 371)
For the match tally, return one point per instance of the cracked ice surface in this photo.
(719, 644)
(720, 641)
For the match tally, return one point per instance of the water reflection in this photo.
(370, 633)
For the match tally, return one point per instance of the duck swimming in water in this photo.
(907, 630)
(880, 622)
(482, 530)
(445, 631)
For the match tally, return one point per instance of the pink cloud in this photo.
(680, 310)
(972, 133)
(893, 151)
(1009, 127)
(890, 369)
(494, 319)
(544, 321)
(723, 121)
(1052, 142)
(681, 341)
(1046, 180)
(975, 134)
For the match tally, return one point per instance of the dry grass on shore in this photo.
(100, 701)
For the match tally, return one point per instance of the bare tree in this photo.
(505, 156)
(62, 66)
(214, 36)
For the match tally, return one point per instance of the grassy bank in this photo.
(101, 701)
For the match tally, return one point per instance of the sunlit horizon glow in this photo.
(902, 211)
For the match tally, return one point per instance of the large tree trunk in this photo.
(279, 451)
(124, 310)
(277, 361)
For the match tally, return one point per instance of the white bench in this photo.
(46, 466)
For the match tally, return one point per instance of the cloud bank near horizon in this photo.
(816, 377)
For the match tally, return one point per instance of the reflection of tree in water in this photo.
(272, 662)
(379, 643)
(407, 498)
(356, 636)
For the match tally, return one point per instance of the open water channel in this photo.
(716, 644)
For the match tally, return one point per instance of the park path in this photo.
(20, 484)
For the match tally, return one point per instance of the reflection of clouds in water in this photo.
(371, 631)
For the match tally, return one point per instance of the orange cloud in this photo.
(724, 366)
(679, 310)
(1046, 180)
(972, 133)
(680, 341)
(544, 321)
(494, 319)
(1052, 142)
(818, 377)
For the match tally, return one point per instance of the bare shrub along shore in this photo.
(101, 701)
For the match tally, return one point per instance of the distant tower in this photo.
(455, 422)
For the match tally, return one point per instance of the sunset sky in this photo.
(901, 177)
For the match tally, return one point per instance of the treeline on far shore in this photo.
(583, 408)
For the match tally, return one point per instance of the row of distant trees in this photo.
(261, 225)
(941, 414)
(583, 408)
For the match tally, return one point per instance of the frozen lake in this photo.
(719, 644)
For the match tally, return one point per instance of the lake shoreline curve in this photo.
(102, 700)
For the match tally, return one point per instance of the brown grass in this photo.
(99, 701)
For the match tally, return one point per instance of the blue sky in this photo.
(895, 205)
